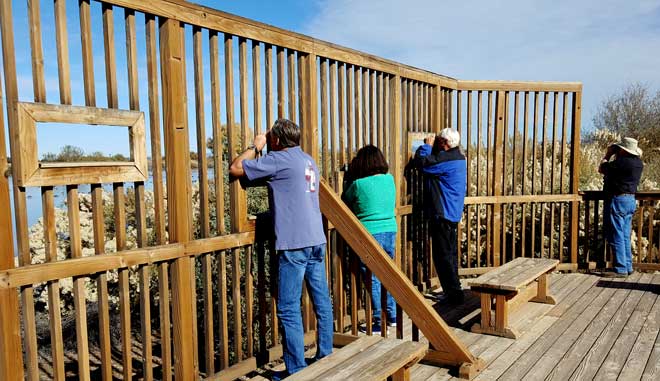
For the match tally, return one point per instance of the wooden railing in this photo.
(594, 251)
(186, 289)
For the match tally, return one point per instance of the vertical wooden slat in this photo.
(281, 92)
(64, 72)
(497, 176)
(373, 113)
(101, 283)
(533, 169)
(359, 141)
(326, 164)
(223, 334)
(381, 111)
(341, 103)
(249, 302)
(365, 106)
(110, 56)
(543, 169)
(575, 172)
(269, 86)
(514, 174)
(54, 314)
(236, 303)
(87, 52)
(291, 77)
(350, 140)
(159, 207)
(124, 297)
(256, 85)
(333, 114)
(469, 155)
(178, 188)
(34, 19)
(218, 135)
(524, 179)
(204, 220)
(238, 202)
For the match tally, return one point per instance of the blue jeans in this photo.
(618, 214)
(295, 265)
(387, 241)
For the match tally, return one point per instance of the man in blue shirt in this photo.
(620, 184)
(293, 183)
(444, 168)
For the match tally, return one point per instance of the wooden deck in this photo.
(601, 328)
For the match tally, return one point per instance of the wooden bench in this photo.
(366, 358)
(511, 285)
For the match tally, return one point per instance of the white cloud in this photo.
(603, 43)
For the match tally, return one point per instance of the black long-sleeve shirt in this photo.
(622, 175)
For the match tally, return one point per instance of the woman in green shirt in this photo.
(371, 196)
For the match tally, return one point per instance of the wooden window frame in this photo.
(28, 171)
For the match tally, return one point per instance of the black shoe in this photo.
(613, 274)
(631, 272)
(375, 329)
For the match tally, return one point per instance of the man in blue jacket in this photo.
(445, 170)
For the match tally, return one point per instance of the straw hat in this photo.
(629, 145)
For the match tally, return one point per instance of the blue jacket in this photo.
(446, 182)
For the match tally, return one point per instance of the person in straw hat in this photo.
(621, 177)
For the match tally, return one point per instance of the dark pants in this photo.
(444, 235)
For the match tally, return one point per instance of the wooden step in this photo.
(367, 358)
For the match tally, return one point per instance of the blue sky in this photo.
(605, 44)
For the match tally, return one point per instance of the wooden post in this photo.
(11, 362)
(575, 173)
(178, 188)
(497, 177)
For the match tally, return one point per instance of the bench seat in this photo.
(510, 286)
(366, 358)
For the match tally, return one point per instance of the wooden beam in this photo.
(11, 364)
(367, 248)
(179, 206)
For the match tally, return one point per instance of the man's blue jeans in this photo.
(387, 241)
(295, 265)
(618, 214)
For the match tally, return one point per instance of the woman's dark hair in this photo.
(369, 161)
(287, 132)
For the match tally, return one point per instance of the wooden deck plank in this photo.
(641, 351)
(622, 348)
(571, 359)
(573, 308)
(652, 370)
(608, 297)
(594, 358)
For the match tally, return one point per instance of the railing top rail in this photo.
(213, 19)
(519, 86)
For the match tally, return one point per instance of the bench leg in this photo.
(402, 374)
(501, 327)
(542, 292)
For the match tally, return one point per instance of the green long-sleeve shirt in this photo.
(372, 199)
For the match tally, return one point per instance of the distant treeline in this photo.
(70, 153)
